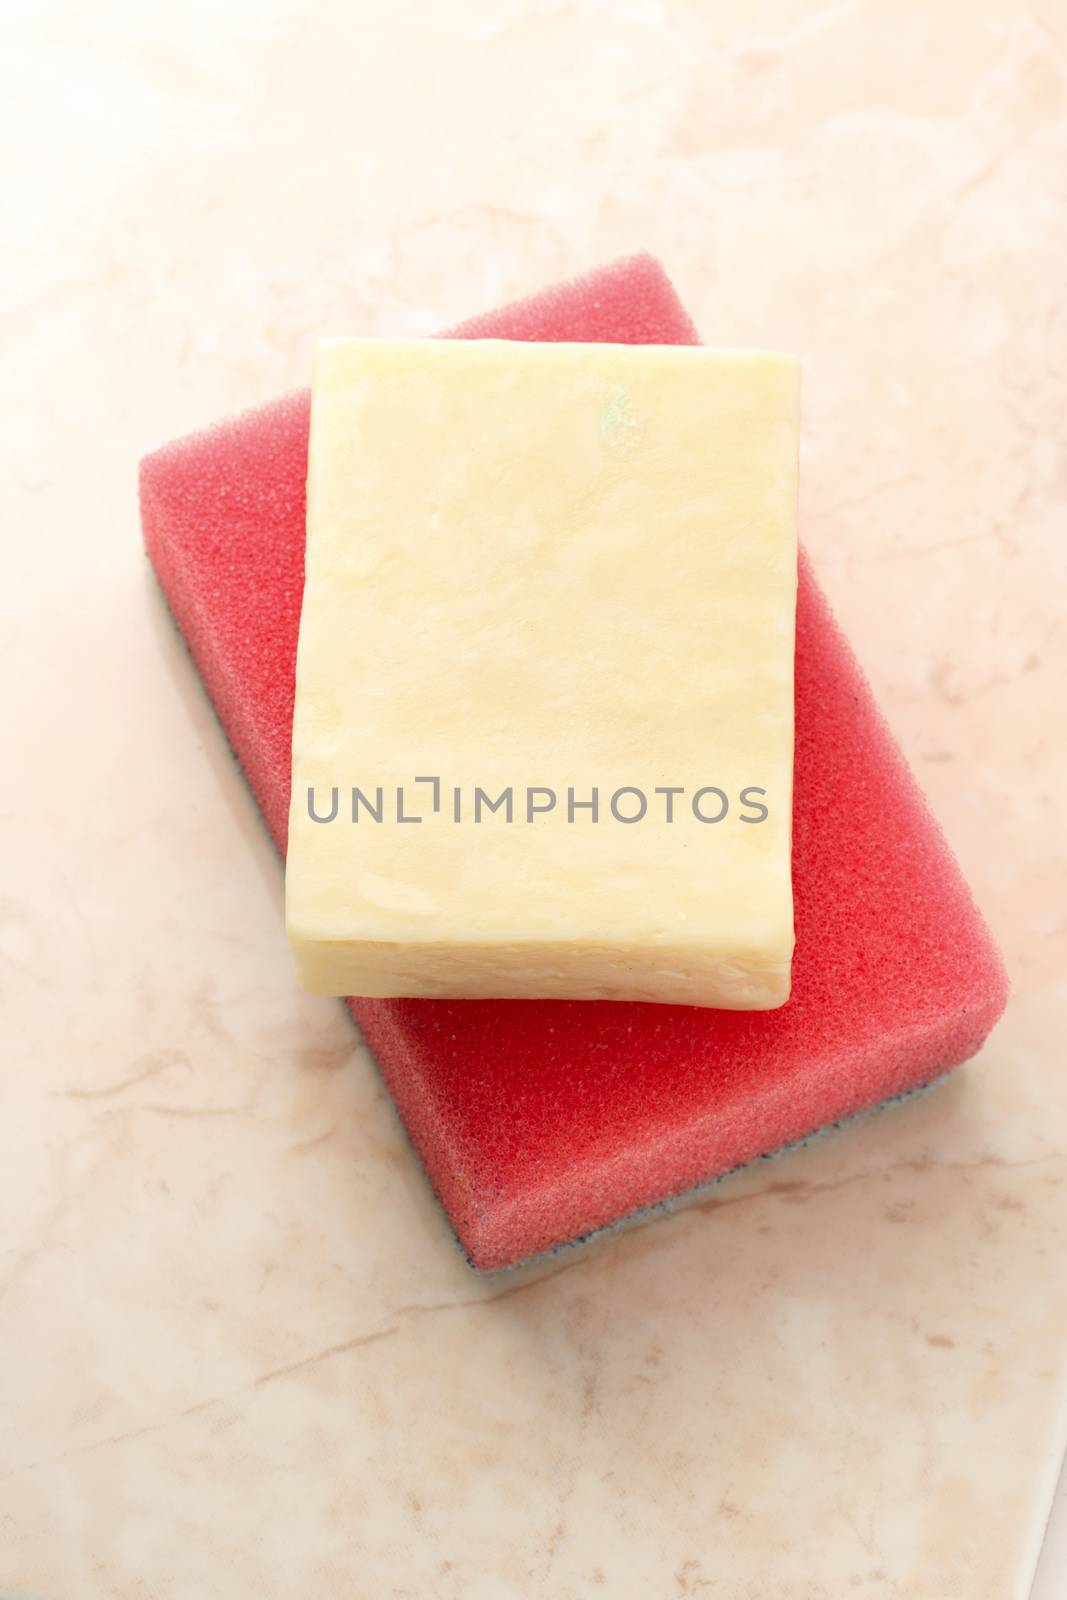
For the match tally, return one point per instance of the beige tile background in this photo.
(240, 1355)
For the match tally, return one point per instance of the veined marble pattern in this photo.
(241, 1355)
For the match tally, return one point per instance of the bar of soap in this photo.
(543, 732)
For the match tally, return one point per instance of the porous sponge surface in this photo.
(537, 1121)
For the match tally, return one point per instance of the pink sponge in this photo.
(539, 1121)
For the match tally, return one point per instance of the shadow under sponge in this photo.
(539, 1122)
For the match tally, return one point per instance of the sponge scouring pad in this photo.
(539, 1122)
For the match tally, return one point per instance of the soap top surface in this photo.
(559, 568)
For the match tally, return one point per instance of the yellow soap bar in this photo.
(543, 736)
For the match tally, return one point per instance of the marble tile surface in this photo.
(241, 1355)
